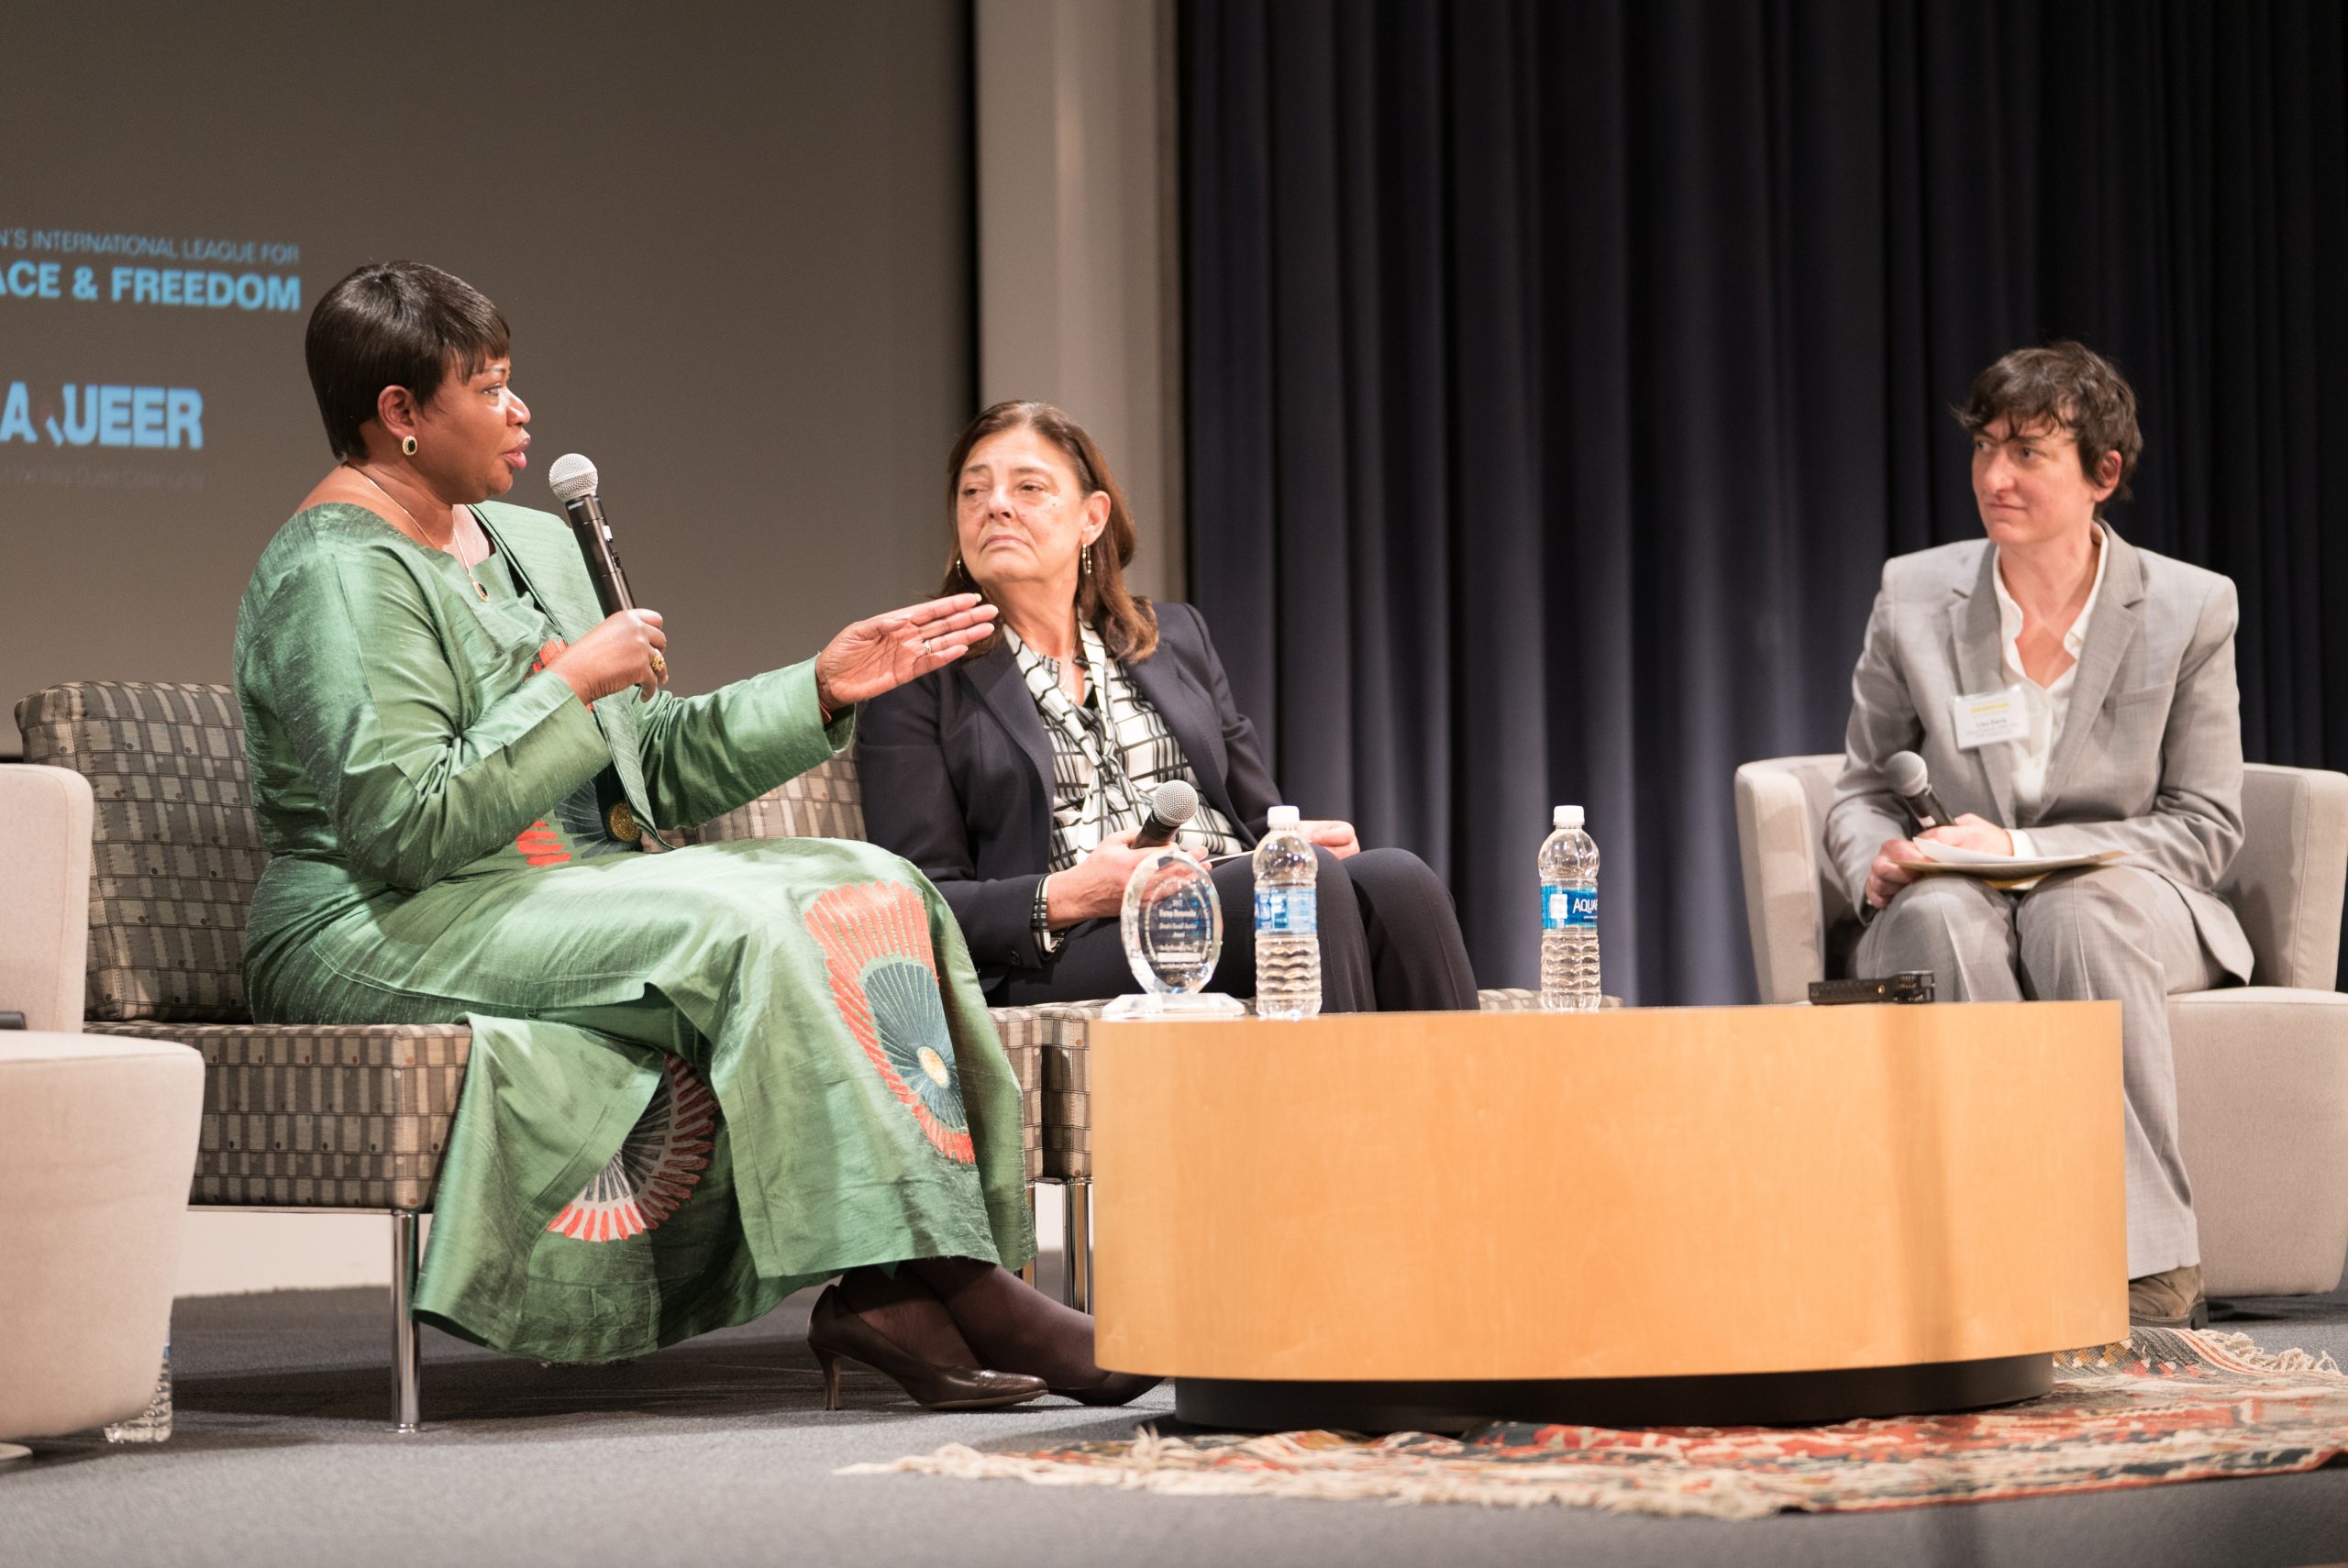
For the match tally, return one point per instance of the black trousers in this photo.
(1389, 942)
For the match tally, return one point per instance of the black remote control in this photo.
(1909, 985)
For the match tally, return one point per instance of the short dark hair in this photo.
(2069, 386)
(395, 324)
(1127, 623)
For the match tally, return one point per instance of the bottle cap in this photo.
(1565, 817)
(1284, 816)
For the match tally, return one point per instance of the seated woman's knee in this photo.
(2104, 897)
(1942, 898)
(1399, 869)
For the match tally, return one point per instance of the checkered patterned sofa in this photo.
(355, 1116)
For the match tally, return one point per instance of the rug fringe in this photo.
(2241, 1348)
(1527, 1487)
(2244, 1349)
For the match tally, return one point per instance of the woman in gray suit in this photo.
(2070, 694)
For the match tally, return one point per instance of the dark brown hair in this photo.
(2070, 387)
(1128, 626)
(395, 324)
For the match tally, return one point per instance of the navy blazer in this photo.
(957, 772)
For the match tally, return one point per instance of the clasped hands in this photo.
(1095, 888)
(866, 658)
(1889, 871)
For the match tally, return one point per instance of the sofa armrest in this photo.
(2285, 886)
(44, 895)
(1777, 845)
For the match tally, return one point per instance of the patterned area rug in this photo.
(2164, 1406)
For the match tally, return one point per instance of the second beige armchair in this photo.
(2261, 1069)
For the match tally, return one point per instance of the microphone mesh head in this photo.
(1174, 801)
(1906, 773)
(571, 477)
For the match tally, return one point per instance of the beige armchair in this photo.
(2261, 1069)
(97, 1142)
(44, 895)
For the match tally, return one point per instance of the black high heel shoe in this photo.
(1112, 1388)
(834, 1332)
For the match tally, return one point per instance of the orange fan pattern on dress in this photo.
(883, 972)
(656, 1168)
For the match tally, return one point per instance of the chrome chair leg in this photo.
(1028, 1269)
(1076, 1248)
(407, 1392)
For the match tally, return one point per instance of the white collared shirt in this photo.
(2046, 706)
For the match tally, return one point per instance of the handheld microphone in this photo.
(1171, 804)
(572, 479)
(1912, 783)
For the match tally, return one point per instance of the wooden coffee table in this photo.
(1643, 1217)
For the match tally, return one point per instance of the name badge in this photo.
(1984, 718)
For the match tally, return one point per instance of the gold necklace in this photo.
(456, 533)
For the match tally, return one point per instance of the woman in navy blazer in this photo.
(961, 772)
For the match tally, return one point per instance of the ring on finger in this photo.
(659, 665)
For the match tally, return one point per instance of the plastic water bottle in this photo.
(1570, 981)
(1288, 921)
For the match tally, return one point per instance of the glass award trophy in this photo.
(1172, 924)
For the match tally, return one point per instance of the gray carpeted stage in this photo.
(717, 1452)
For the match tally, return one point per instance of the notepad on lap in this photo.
(2001, 871)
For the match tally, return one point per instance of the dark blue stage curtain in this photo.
(1560, 374)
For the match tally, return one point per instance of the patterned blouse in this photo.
(1101, 789)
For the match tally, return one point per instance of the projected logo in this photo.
(65, 290)
(160, 418)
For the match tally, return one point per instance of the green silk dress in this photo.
(700, 1079)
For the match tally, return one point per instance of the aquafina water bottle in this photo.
(1288, 921)
(1568, 916)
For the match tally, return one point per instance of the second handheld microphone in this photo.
(1171, 804)
(1913, 782)
(573, 480)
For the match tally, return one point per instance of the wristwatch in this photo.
(1047, 941)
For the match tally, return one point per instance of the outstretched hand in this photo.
(884, 651)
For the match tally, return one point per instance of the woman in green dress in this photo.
(699, 1080)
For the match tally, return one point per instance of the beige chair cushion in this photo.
(2285, 887)
(2261, 1091)
(98, 1139)
(44, 894)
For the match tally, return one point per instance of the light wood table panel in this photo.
(1636, 1194)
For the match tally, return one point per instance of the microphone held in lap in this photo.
(1171, 804)
(1913, 782)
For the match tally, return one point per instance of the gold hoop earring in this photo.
(407, 445)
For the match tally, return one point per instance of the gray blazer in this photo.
(2149, 761)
